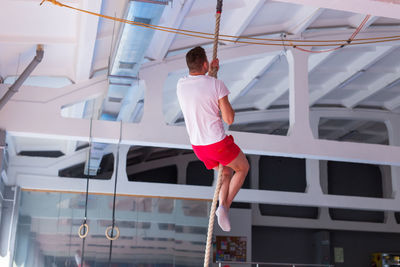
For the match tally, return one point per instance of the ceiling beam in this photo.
(34, 40)
(87, 34)
(232, 52)
(387, 81)
(349, 127)
(37, 182)
(373, 7)
(305, 17)
(237, 23)
(251, 76)
(354, 69)
(161, 41)
(283, 86)
(392, 104)
(356, 20)
(176, 137)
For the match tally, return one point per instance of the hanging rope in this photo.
(351, 39)
(212, 216)
(239, 39)
(84, 228)
(213, 73)
(113, 227)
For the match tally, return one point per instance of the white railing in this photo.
(257, 264)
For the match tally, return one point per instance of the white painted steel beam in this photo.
(373, 7)
(251, 76)
(306, 16)
(248, 117)
(321, 223)
(162, 41)
(351, 126)
(311, 199)
(237, 23)
(42, 120)
(375, 87)
(356, 21)
(232, 52)
(86, 39)
(355, 68)
(393, 103)
(283, 86)
(299, 111)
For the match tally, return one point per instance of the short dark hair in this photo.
(195, 58)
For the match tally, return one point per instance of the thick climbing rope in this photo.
(240, 39)
(212, 216)
(213, 73)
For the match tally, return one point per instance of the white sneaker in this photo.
(223, 219)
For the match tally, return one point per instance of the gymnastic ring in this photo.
(86, 226)
(114, 237)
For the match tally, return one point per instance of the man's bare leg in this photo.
(227, 173)
(241, 167)
(229, 188)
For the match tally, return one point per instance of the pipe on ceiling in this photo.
(25, 74)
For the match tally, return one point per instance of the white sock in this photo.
(223, 219)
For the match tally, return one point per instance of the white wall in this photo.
(241, 222)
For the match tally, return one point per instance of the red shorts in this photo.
(222, 152)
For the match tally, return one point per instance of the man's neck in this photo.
(196, 73)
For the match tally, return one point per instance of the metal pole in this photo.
(25, 74)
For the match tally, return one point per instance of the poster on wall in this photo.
(230, 248)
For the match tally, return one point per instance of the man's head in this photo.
(196, 60)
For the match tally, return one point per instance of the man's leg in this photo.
(222, 211)
(241, 167)
(227, 173)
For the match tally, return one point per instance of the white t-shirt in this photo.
(198, 97)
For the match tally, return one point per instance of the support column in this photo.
(2, 149)
(8, 223)
(323, 178)
(121, 165)
(299, 110)
(313, 177)
(254, 183)
(153, 101)
(393, 127)
(181, 167)
(254, 171)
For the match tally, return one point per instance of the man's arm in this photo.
(214, 67)
(227, 112)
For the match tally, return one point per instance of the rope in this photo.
(112, 227)
(213, 73)
(212, 216)
(239, 39)
(359, 28)
(84, 225)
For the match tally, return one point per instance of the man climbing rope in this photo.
(204, 103)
